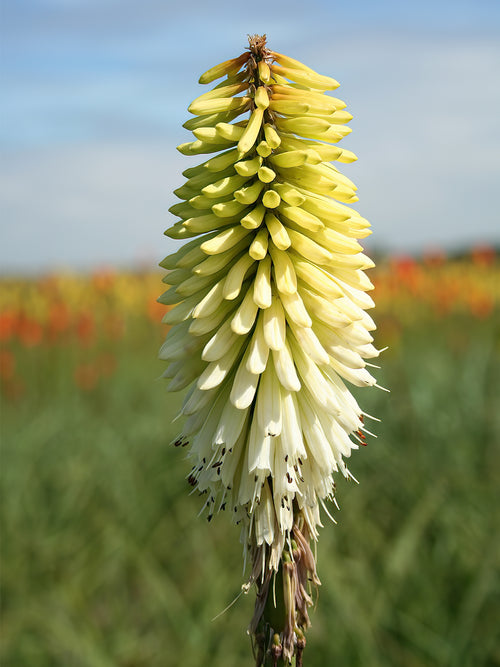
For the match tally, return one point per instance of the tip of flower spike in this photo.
(257, 43)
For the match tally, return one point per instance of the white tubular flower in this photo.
(269, 318)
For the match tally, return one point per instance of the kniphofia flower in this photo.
(270, 317)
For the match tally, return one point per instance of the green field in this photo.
(105, 563)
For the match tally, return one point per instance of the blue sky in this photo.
(95, 93)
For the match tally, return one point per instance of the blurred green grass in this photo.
(105, 563)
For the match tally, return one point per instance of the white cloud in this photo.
(83, 206)
(426, 131)
(425, 128)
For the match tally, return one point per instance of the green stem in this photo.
(274, 620)
(270, 663)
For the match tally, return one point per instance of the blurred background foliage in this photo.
(104, 561)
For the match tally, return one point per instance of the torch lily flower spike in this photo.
(269, 320)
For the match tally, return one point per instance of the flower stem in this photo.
(281, 611)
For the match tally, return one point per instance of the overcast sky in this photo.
(95, 92)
